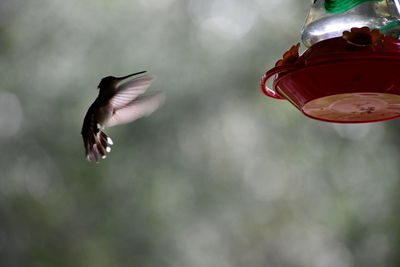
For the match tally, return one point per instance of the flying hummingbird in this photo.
(117, 104)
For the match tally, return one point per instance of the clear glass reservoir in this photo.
(329, 18)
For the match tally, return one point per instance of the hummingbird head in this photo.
(107, 82)
(112, 82)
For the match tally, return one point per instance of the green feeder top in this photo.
(340, 6)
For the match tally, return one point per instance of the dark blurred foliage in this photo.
(219, 176)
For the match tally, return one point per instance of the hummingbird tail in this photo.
(97, 145)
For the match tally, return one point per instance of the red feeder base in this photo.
(354, 107)
(336, 81)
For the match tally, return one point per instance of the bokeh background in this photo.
(219, 176)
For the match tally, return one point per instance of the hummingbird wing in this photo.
(127, 92)
(140, 107)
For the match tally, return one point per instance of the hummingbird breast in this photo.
(103, 114)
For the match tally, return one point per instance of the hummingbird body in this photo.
(116, 104)
(102, 114)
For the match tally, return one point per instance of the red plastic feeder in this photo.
(340, 80)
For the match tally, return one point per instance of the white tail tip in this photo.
(109, 141)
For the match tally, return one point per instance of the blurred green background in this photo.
(219, 176)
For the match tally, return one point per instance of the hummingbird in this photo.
(117, 103)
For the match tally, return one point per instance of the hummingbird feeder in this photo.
(350, 72)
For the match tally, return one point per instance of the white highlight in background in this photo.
(10, 114)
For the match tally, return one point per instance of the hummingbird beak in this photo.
(119, 79)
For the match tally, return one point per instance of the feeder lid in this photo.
(350, 47)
